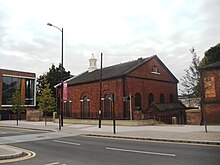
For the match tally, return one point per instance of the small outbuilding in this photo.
(170, 113)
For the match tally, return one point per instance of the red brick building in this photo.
(10, 81)
(211, 93)
(148, 81)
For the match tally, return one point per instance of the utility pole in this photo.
(100, 95)
(61, 78)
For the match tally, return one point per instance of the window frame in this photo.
(155, 70)
(25, 78)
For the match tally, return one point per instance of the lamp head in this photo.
(49, 24)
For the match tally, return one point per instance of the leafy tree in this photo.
(17, 103)
(53, 77)
(46, 101)
(211, 56)
(191, 81)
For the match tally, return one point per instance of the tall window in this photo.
(171, 98)
(138, 101)
(9, 86)
(85, 107)
(162, 98)
(150, 99)
(29, 92)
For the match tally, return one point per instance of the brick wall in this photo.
(145, 87)
(141, 80)
(146, 71)
(193, 117)
(133, 85)
(212, 113)
(34, 115)
(211, 103)
(91, 90)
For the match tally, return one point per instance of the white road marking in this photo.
(64, 142)
(142, 152)
(52, 163)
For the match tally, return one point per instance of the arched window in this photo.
(150, 99)
(85, 107)
(138, 101)
(162, 98)
(171, 98)
(107, 107)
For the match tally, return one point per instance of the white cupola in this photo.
(92, 63)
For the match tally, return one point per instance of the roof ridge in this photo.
(142, 61)
(126, 62)
(112, 71)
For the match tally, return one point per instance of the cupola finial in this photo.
(92, 63)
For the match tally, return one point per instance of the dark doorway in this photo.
(107, 107)
(162, 100)
(150, 99)
(85, 107)
(138, 101)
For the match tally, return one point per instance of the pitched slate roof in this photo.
(107, 72)
(111, 72)
(169, 106)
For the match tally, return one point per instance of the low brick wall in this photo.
(34, 115)
(137, 115)
(193, 116)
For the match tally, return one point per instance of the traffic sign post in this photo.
(130, 106)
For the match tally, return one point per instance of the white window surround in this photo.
(154, 70)
(158, 73)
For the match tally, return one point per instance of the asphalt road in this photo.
(6, 131)
(99, 151)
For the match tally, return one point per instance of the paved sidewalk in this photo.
(169, 133)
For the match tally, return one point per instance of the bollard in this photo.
(174, 120)
(54, 116)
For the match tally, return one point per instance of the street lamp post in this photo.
(61, 79)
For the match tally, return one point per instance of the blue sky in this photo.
(123, 30)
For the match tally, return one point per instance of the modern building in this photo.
(10, 82)
(211, 93)
(146, 80)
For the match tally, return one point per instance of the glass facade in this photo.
(11, 84)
